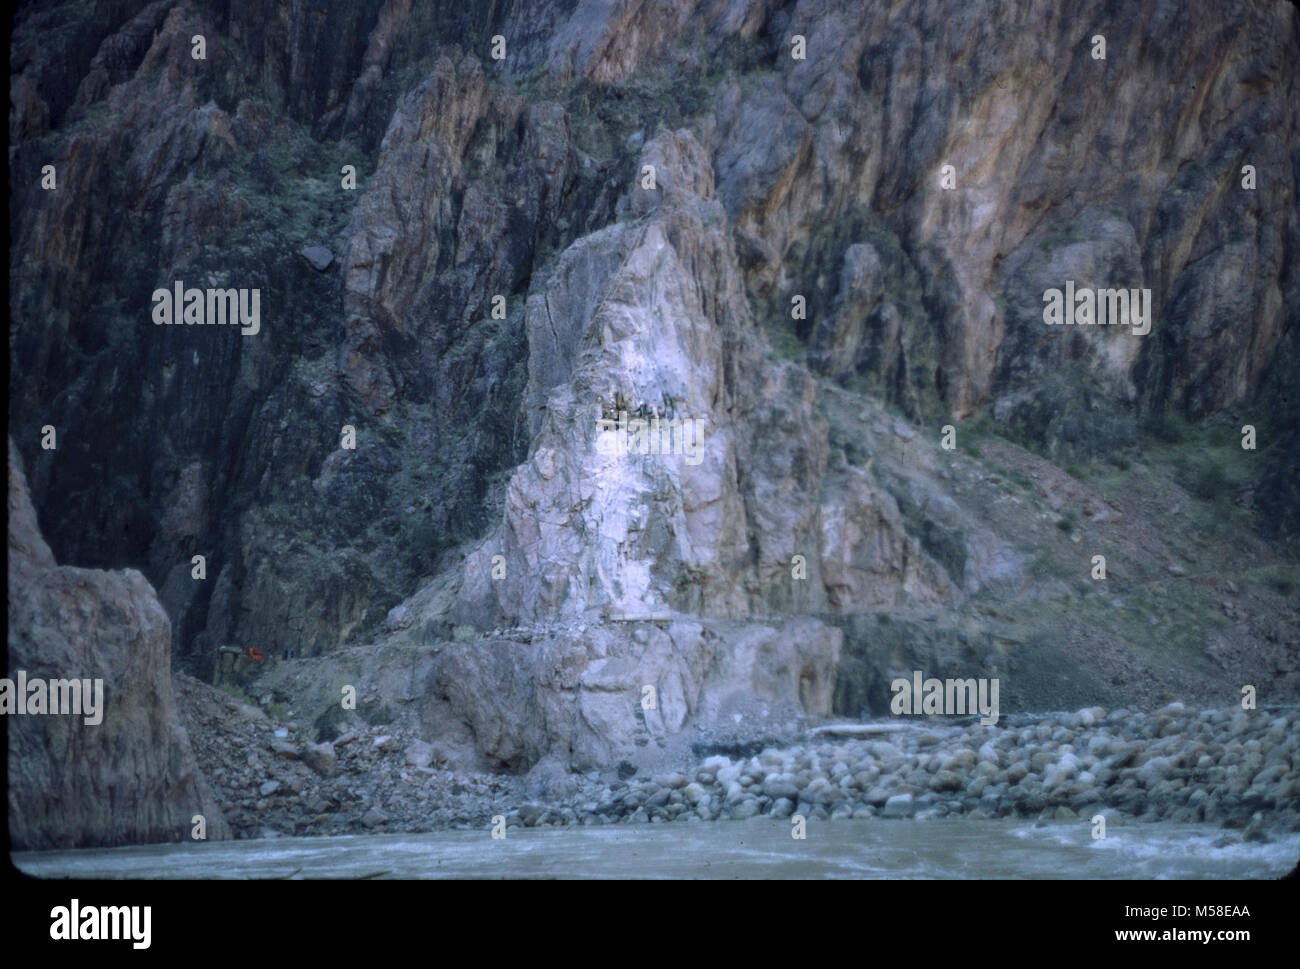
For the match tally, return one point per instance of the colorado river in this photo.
(759, 848)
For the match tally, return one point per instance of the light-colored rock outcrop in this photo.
(581, 695)
(653, 312)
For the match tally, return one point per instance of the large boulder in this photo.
(131, 777)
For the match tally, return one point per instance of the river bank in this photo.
(1236, 769)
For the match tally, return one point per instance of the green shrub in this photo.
(1167, 428)
(236, 693)
(1210, 483)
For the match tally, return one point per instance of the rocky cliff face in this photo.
(127, 774)
(503, 264)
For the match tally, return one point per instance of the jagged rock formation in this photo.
(654, 309)
(574, 695)
(131, 778)
(479, 495)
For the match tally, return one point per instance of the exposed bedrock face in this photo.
(477, 422)
(1058, 172)
(122, 772)
(625, 691)
(585, 696)
(730, 511)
